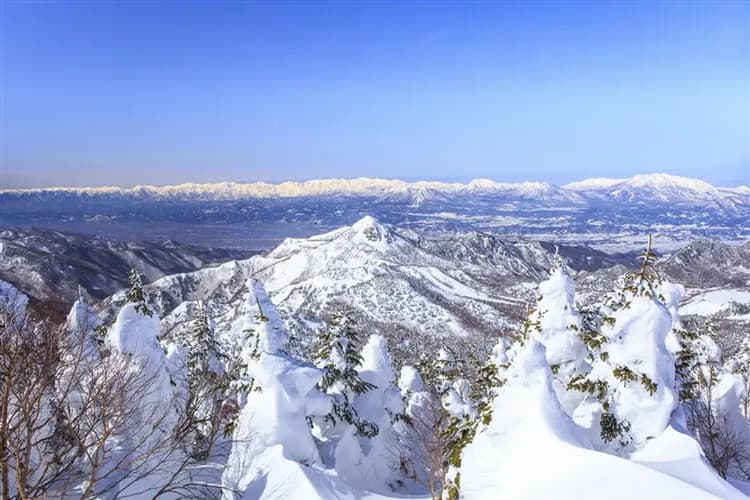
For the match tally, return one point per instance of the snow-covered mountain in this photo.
(399, 283)
(52, 266)
(708, 263)
(411, 288)
(640, 188)
(659, 189)
(613, 214)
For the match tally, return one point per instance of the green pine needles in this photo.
(203, 350)
(135, 294)
(642, 282)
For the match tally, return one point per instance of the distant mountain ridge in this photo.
(56, 266)
(613, 215)
(658, 187)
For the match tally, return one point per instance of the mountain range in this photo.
(649, 188)
(609, 214)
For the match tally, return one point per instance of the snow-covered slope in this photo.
(709, 263)
(51, 265)
(412, 289)
(532, 450)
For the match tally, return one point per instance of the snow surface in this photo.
(532, 450)
(678, 455)
(713, 301)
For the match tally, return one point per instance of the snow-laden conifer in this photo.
(630, 391)
(339, 354)
(559, 327)
(135, 293)
(372, 461)
(272, 426)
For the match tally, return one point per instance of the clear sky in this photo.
(132, 92)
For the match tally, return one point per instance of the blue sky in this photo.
(99, 93)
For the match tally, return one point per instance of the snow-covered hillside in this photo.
(54, 266)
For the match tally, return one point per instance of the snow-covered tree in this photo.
(421, 433)
(558, 326)
(272, 425)
(713, 400)
(83, 422)
(740, 365)
(372, 461)
(451, 409)
(258, 329)
(207, 383)
(475, 412)
(135, 337)
(629, 392)
(135, 294)
(85, 330)
(339, 354)
(27, 415)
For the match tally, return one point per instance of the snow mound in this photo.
(532, 449)
(677, 454)
(137, 334)
(282, 479)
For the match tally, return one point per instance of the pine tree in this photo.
(462, 429)
(239, 379)
(205, 356)
(605, 336)
(338, 353)
(557, 324)
(135, 294)
(207, 383)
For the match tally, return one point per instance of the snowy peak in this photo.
(368, 229)
(593, 184)
(666, 188)
(660, 188)
(666, 181)
(646, 181)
